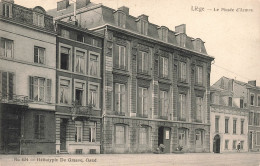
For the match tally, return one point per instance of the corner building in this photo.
(156, 82)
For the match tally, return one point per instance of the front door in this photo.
(63, 129)
(164, 137)
(216, 144)
(250, 140)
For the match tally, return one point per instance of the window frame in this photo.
(242, 124)
(256, 137)
(122, 110)
(141, 101)
(199, 76)
(252, 120)
(234, 145)
(83, 89)
(98, 63)
(65, 33)
(226, 144)
(39, 17)
(217, 126)
(252, 104)
(143, 27)
(70, 56)
(5, 40)
(258, 100)
(162, 97)
(183, 132)
(121, 22)
(121, 142)
(44, 55)
(93, 132)
(98, 94)
(226, 125)
(200, 118)
(9, 95)
(69, 90)
(45, 86)
(142, 141)
(183, 76)
(38, 132)
(141, 62)
(163, 73)
(84, 57)
(6, 5)
(234, 126)
(183, 109)
(230, 101)
(79, 124)
(200, 133)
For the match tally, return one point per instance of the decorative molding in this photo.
(143, 83)
(121, 41)
(143, 48)
(119, 78)
(163, 86)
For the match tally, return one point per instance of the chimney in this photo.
(62, 4)
(253, 82)
(124, 9)
(10, 1)
(81, 3)
(180, 28)
(144, 17)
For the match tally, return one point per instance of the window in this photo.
(258, 100)
(93, 133)
(252, 99)
(226, 144)
(7, 48)
(80, 38)
(215, 98)
(120, 99)
(79, 131)
(182, 135)
(65, 59)
(216, 124)
(143, 102)
(7, 10)
(230, 101)
(226, 125)
(199, 75)
(143, 136)
(199, 108)
(64, 91)
(120, 138)
(234, 144)
(182, 106)
(164, 34)
(234, 126)
(144, 27)
(95, 42)
(256, 119)
(120, 57)
(257, 138)
(143, 62)
(39, 54)
(164, 67)
(183, 72)
(94, 64)
(40, 89)
(6, 85)
(199, 137)
(241, 145)
(94, 95)
(79, 92)
(242, 127)
(251, 118)
(241, 103)
(80, 62)
(39, 126)
(121, 19)
(65, 33)
(38, 19)
(164, 104)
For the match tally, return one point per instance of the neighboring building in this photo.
(156, 81)
(247, 95)
(27, 80)
(79, 89)
(229, 121)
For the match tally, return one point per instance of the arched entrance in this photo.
(164, 137)
(216, 144)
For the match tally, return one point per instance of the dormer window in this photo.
(163, 34)
(144, 27)
(121, 19)
(7, 10)
(182, 40)
(38, 19)
(197, 44)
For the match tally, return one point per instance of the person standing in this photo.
(238, 147)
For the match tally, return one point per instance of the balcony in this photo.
(14, 99)
(78, 110)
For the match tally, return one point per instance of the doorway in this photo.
(63, 133)
(164, 137)
(216, 144)
(250, 140)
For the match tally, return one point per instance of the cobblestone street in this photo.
(188, 159)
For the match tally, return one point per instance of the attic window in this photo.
(121, 19)
(38, 19)
(143, 26)
(7, 10)
(164, 34)
(183, 40)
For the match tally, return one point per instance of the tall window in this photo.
(121, 19)
(93, 65)
(120, 98)
(120, 138)
(241, 103)
(39, 126)
(183, 72)
(144, 27)
(199, 108)
(6, 85)
(234, 126)
(143, 102)
(39, 54)
(93, 95)
(65, 33)
(65, 58)
(164, 34)
(199, 75)
(230, 101)
(143, 62)
(252, 99)
(164, 67)
(7, 10)
(164, 103)
(64, 91)
(143, 136)
(120, 57)
(40, 89)
(199, 137)
(182, 136)
(226, 144)
(258, 100)
(80, 38)
(80, 62)
(242, 126)
(216, 124)
(256, 119)
(93, 133)
(226, 125)
(79, 91)
(38, 19)
(79, 131)
(182, 106)
(241, 145)
(234, 144)
(7, 48)
(251, 118)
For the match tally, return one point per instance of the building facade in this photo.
(27, 80)
(156, 81)
(79, 89)
(229, 122)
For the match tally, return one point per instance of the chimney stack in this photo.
(124, 9)
(62, 4)
(81, 3)
(180, 28)
(10, 1)
(253, 82)
(144, 17)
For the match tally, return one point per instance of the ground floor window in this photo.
(241, 145)
(182, 136)
(120, 135)
(257, 138)
(79, 131)
(199, 134)
(93, 132)
(39, 126)
(144, 136)
(226, 144)
(234, 144)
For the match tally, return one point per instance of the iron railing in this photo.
(14, 99)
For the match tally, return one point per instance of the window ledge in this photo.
(121, 72)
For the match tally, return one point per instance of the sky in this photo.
(232, 37)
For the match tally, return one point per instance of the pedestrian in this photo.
(238, 147)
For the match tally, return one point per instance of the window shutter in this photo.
(31, 87)
(122, 57)
(161, 66)
(116, 56)
(4, 84)
(139, 102)
(146, 62)
(166, 67)
(139, 61)
(117, 98)
(145, 107)
(36, 126)
(166, 104)
(48, 91)
(11, 82)
(123, 99)
(36, 55)
(42, 126)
